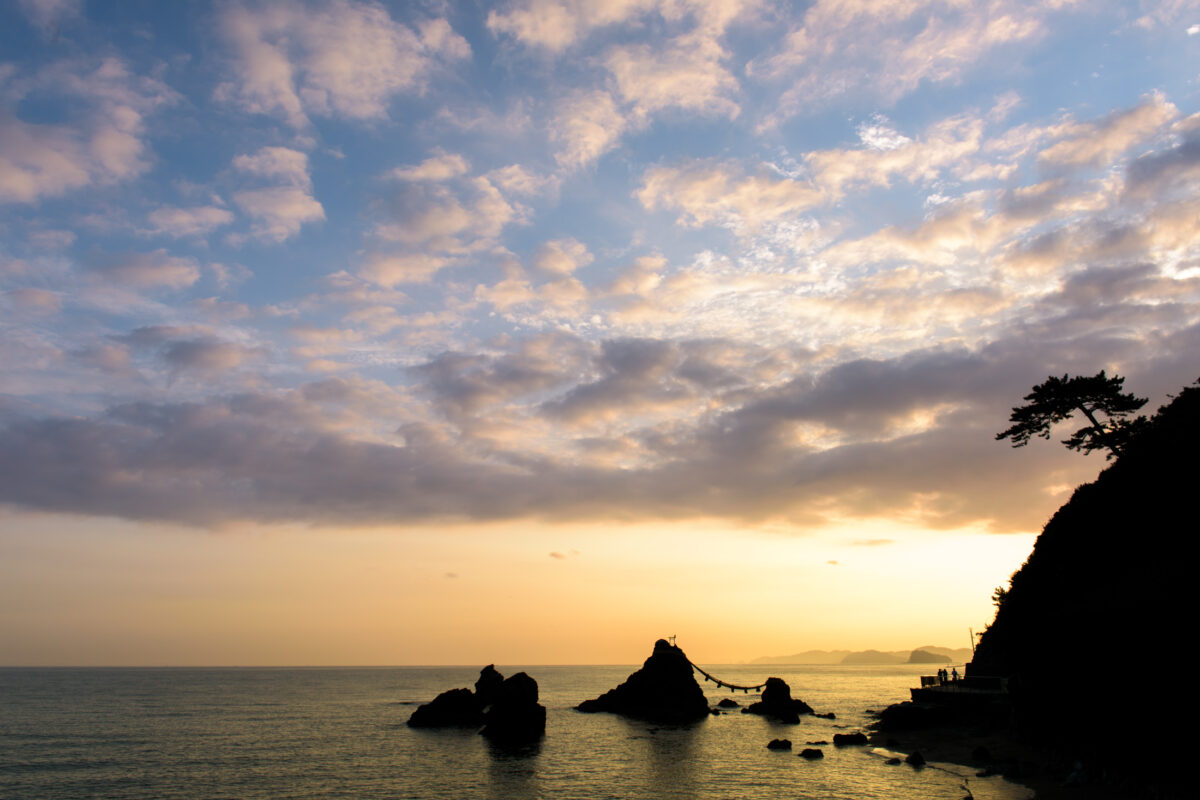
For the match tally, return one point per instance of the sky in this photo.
(529, 332)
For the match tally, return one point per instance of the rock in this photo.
(926, 657)
(715, 712)
(457, 708)
(663, 690)
(840, 739)
(515, 716)
(811, 753)
(915, 758)
(779, 744)
(893, 762)
(818, 741)
(827, 715)
(488, 684)
(909, 716)
(777, 703)
(727, 703)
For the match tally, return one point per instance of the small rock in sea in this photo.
(714, 712)
(892, 762)
(849, 738)
(811, 753)
(827, 715)
(727, 703)
(915, 758)
(779, 744)
(778, 704)
(818, 741)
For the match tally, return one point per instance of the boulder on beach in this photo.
(849, 738)
(777, 703)
(663, 690)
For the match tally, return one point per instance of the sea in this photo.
(272, 733)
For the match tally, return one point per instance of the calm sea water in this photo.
(340, 733)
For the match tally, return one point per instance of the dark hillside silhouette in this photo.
(1112, 569)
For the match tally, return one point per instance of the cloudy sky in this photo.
(429, 332)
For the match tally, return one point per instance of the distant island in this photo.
(925, 654)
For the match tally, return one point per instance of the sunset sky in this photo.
(530, 332)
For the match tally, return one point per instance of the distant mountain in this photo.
(943, 655)
(876, 657)
(817, 657)
(953, 655)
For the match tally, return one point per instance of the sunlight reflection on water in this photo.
(306, 733)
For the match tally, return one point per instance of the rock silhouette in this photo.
(777, 703)
(456, 708)
(663, 690)
(507, 710)
(514, 714)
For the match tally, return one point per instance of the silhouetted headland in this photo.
(505, 710)
(1114, 564)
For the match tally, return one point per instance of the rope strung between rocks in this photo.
(730, 686)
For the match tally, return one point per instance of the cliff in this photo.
(1112, 565)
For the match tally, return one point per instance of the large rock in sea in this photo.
(777, 703)
(456, 708)
(663, 690)
(514, 715)
(507, 710)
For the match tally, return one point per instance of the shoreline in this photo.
(999, 753)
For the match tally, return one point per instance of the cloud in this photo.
(154, 270)
(557, 24)
(707, 193)
(446, 218)
(105, 145)
(40, 301)
(183, 222)
(50, 14)
(205, 355)
(335, 59)
(843, 48)
(392, 270)
(586, 125)
(687, 75)
(1090, 144)
(254, 457)
(279, 211)
(945, 143)
(440, 167)
(516, 180)
(561, 257)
